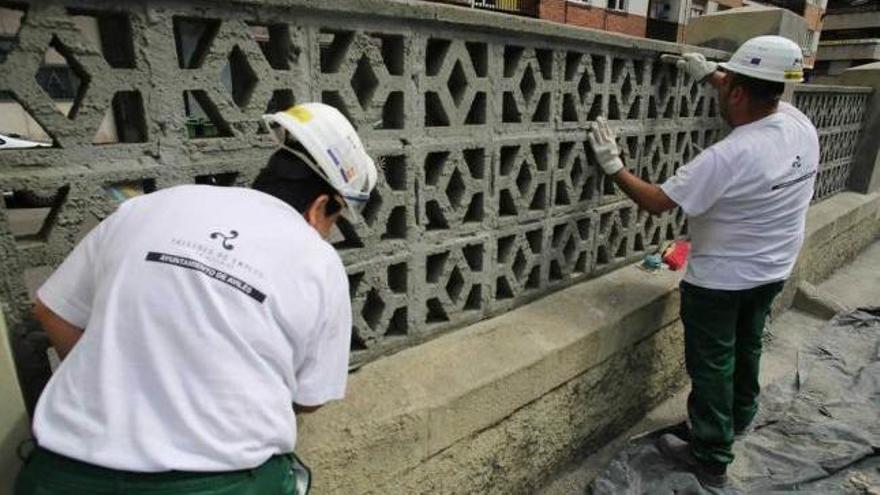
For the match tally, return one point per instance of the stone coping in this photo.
(860, 41)
(831, 88)
(459, 17)
(405, 408)
(838, 214)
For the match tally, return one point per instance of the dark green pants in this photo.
(46, 473)
(722, 333)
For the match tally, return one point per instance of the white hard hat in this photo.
(336, 152)
(771, 58)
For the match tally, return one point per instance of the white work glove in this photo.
(696, 65)
(604, 144)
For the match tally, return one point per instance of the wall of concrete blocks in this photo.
(839, 114)
(490, 195)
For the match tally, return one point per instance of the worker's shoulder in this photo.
(182, 194)
(792, 112)
(197, 199)
(322, 255)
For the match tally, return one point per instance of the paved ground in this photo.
(855, 285)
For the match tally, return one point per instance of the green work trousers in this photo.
(722, 334)
(47, 473)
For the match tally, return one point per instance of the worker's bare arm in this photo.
(648, 196)
(62, 334)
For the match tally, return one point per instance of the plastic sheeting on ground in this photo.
(817, 430)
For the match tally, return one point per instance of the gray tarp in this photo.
(817, 430)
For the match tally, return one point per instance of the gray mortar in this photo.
(490, 196)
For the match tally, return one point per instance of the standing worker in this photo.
(194, 320)
(746, 198)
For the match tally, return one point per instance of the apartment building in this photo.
(620, 16)
(668, 19)
(850, 37)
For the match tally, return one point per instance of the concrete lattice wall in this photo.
(839, 114)
(489, 197)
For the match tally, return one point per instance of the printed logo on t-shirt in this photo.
(225, 238)
(219, 275)
(796, 166)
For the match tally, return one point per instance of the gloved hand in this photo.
(696, 65)
(604, 144)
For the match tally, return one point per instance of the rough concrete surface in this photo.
(489, 199)
(14, 421)
(475, 379)
(811, 300)
(489, 196)
(433, 427)
(856, 284)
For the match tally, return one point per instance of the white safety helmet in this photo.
(336, 152)
(770, 58)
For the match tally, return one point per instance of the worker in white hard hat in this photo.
(196, 321)
(746, 198)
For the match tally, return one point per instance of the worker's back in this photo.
(747, 201)
(208, 307)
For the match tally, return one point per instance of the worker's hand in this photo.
(604, 144)
(696, 65)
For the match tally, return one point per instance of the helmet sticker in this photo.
(300, 113)
(332, 153)
(755, 61)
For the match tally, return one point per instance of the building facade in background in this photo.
(658, 19)
(850, 37)
(619, 16)
(668, 19)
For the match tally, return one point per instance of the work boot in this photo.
(681, 430)
(712, 474)
(740, 435)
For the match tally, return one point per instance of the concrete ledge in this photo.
(837, 229)
(14, 421)
(408, 407)
(863, 49)
(448, 416)
(851, 20)
(458, 18)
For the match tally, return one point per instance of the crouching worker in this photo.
(195, 320)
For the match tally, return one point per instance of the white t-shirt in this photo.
(207, 311)
(746, 198)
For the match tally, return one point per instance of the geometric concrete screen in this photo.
(839, 115)
(490, 195)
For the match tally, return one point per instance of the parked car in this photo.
(12, 141)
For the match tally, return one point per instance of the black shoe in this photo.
(740, 434)
(681, 430)
(709, 473)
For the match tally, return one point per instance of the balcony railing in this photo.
(854, 9)
(521, 7)
(662, 30)
(796, 6)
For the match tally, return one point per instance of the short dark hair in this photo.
(759, 90)
(290, 179)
